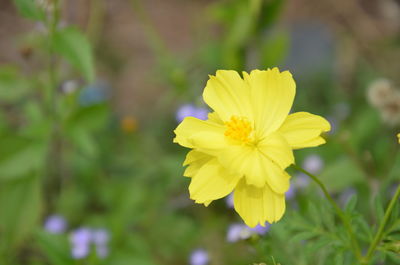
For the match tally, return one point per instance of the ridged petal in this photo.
(257, 168)
(272, 93)
(303, 129)
(257, 205)
(195, 160)
(213, 117)
(277, 149)
(212, 182)
(192, 133)
(244, 160)
(227, 94)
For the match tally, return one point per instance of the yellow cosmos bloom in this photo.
(247, 142)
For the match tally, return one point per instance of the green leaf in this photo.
(321, 242)
(314, 214)
(341, 174)
(20, 207)
(339, 258)
(20, 156)
(13, 86)
(351, 204)
(365, 228)
(270, 12)
(395, 171)
(303, 236)
(76, 49)
(365, 128)
(84, 142)
(90, 117)
(394, 216)
(395, 226)
(274, 49)
(393, 246)
(395, 257)
(29, 9)
(54, 247)
(379, 211)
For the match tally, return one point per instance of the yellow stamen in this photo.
(239, 129)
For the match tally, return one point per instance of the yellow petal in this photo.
(257, 168)
(192, 169)
(207, 203)
(213, 117)
(398, 136)
(208, 140)
(244, 160)
(277, 178)
(314, 142)
(194, 156)
(190, 126)
(276, 148)
(195, 160)
(227, 94)
(303, 129)
(212, 182)
(258, 205)
(272, 93)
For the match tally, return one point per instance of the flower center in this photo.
(239, 129)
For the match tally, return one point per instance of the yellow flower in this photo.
(247, 142)
(398, 136)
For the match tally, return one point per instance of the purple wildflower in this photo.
(80, 251)
(80, 240)
(100, 239)
(189, 110)
(229, 200)
(237, 232)
(102, 251)
(55, 224)
(261, 230)
(199, 257)
(81, 236)
(301, 181)
(291, 192)
(313, 163)
(100, 236)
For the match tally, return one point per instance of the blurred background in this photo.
(91, 91)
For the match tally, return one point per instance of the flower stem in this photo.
(339, 212)
(381, 228)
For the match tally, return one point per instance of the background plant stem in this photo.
(379, 234)
(340, 213)
(54, 158)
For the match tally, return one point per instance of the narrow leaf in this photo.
(29, 9)
(75, 47)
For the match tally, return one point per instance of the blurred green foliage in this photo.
(63, 153)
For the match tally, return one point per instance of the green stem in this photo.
(52, 23)
(96, 21)
(379, 234)
(54, 152)
(153, 38)
(339, 212)
(174, 71)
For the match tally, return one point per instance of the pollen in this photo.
(239, 129)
